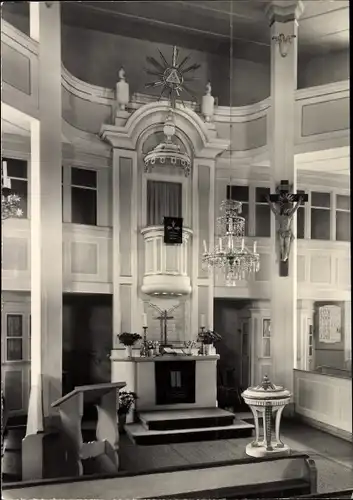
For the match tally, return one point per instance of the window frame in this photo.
(26, 179)
(22, 337)
(336, 194)
(75, 186)
(330, 210)
(261, 203)
(266, 338)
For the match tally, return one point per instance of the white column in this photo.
(194, 327)
(211, 241)
(116, 248)
(46, 219)
(283, 16)
(131, 210)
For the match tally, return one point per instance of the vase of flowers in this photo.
(128, 339)
(126, 399)
(208, 338)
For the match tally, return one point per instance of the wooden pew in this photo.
(273, 477)
(105, 448)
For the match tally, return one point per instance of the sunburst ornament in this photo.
(172, 77)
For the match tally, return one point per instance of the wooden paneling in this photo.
(324, 398)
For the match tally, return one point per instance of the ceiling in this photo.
(323, 27)
(205, 25)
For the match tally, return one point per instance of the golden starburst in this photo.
(172, 76)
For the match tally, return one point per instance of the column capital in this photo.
(284, 10)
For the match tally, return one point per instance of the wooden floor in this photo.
(333, 456)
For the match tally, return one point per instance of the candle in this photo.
(144, 320)
(255, 246)
(220, 244)
(202, 321)
(204, 246)
(242, 244)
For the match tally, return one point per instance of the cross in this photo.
(282, 195)
(163, 318)
(284, 205)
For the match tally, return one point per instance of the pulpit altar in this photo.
(105, 449)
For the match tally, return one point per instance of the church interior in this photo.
(176, 284)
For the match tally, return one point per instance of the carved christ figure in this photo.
(284, 210)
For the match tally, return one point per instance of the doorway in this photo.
(87, 339)
(232, 322)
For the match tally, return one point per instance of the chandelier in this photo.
(168, 151)
(10, 203)
(231, 255)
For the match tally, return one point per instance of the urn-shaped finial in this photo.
(207, 106)
(122, 91)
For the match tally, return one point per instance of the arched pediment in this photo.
(204, 144)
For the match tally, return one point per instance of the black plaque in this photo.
(173, 230)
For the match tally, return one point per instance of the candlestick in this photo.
(144, 320)
(204, 246)
(255, 246)
(202, 321)
(144, 346)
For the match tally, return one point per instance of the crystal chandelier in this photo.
(231, 255)
(168, 151)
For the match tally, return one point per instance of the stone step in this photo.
(165, 420)
(142, 436)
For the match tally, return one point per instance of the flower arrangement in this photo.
(129, 338)
(126, 400)
(209, 337)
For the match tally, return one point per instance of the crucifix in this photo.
(284, 205)
(164, 316)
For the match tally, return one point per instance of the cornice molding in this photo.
(284, 11)
(154, 114)
(18, 37)
(322, 90)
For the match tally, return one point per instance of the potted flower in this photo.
(129, 339)
(126, 400)
(208, 338)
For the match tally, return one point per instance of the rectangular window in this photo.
(266, 338)
(343, 218)
(164, 199)
(241, 193)
(17, 171)
(262, 213)
(320, 216)
(14, 337)
(301, 219)
(83, 196)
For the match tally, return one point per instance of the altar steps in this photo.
(181, 426)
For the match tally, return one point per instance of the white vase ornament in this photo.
(207, 106)
(122, 91)
(128, 351)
